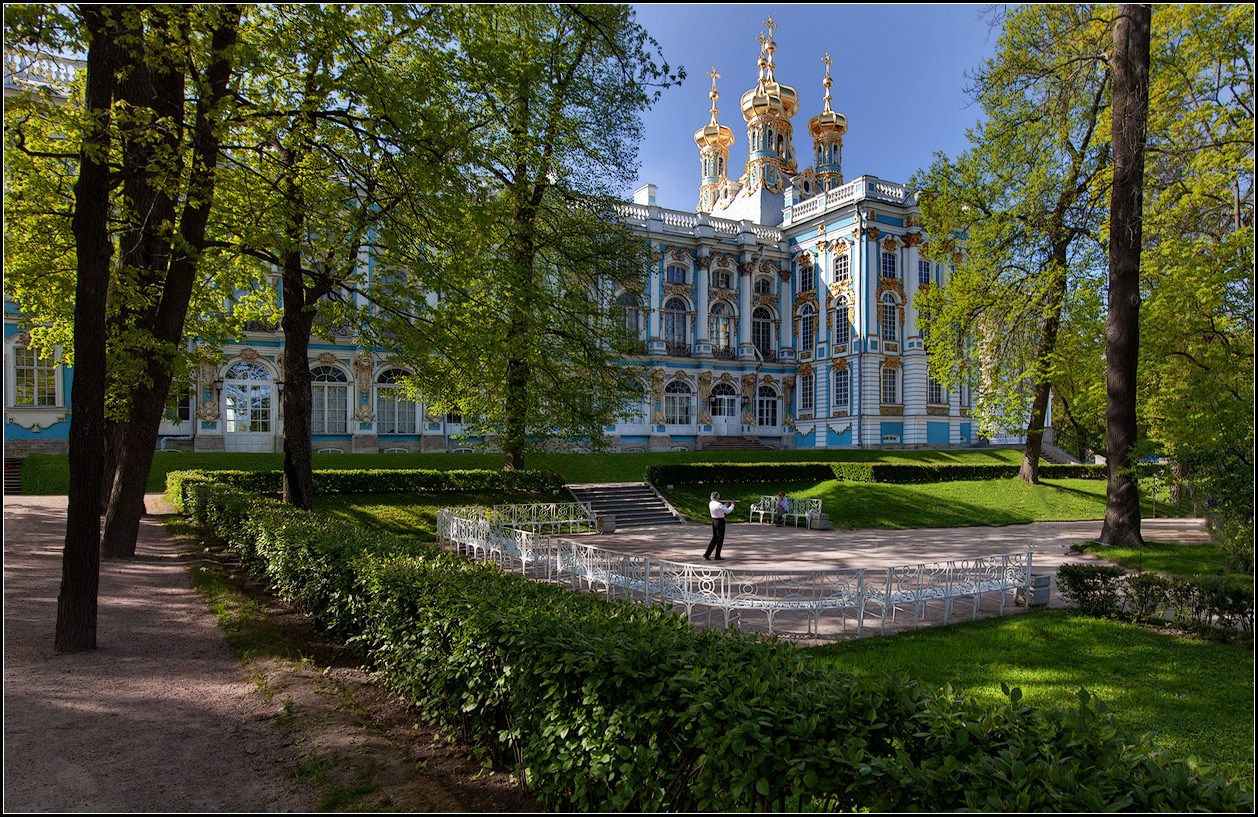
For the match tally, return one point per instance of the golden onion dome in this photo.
(714, 134)
(827, 121)
(769, 97)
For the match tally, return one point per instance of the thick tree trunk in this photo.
(298, 321)
(1130, 62)
(135, 457)
(80, 561)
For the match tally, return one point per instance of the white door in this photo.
(248, 409)
(725, 411)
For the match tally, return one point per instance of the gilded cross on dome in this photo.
(769, 24)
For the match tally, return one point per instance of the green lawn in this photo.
(860, 505)
(1196, 697)
(1168, 558)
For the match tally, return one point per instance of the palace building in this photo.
(780, 313)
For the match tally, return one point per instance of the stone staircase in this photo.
(634, 505)
(1053, 454)
(12, 476)
(734, 444)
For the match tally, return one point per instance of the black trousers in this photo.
(718, 538)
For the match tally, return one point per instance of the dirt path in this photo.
(162, 716)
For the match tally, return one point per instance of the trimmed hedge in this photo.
(1199, 603)
(400, 481)
(896, 473)
(603, 705)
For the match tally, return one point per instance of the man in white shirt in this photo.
(717, 509)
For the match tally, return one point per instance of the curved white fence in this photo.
(738, 596)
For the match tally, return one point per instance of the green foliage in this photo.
(602, 705)
(375, 481)
(1198, 603)
(895, 473)
(523, 245)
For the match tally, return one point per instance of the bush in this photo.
(1094, 588)
(604, 706)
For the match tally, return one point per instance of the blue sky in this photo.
(899, 74)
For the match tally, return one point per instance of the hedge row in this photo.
(900, 473)
(609, 706)
(378, 481)
(1199, 603)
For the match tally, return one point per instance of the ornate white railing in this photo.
(553, 517)
(738, 595)
(23, 69)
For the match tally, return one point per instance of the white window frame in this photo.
(842, 389)
(44, 374)
(679, 404)
(807, 394)
(887, 266)
(889, 386)
(807, 329)
(391, 404)
(329, 400)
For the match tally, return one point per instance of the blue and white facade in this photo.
(782, 310)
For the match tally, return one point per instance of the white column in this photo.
(746, 280)
(703, 347)
(786, 326)
(654, 284)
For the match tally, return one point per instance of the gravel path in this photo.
(159, 718)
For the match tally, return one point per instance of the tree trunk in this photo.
(298, 321)
(1130, 63)
(1055, 298)
(80, 561)
(135, 457)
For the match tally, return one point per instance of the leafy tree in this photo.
(1197, 312)
(304, 175)
(1130, 65)
(521, 242)
(1025, 205)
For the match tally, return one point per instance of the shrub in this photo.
(608, 706)
(1094, 588)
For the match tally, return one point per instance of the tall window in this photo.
(35, 381)
(807, 393)
(890, 319)
(395, 414)
(923, 271)
(807, 279)
(842, 388)
(762, 329)
(807, 328)
(888, 265)
(637, 411)
(842, 267)
(766, 406)
(674, 274)
(676, 338)
(719, 325)
(329, 407)
(842, 325)
(678, 402)
(890, 393)
(630, 312)
(934, 392)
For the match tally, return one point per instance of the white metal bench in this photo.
(917, 586)
(797, 509)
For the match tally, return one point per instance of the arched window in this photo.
(842, 324)
(247, 398)
(674, 274)
(678, 403)
(676, 336)
(724, 400)
(638, 409)
(630, 312)
(721, 278)
(842, 267)
(842, 389)
(890, 319)
(395, 414)
(762, 330)
(766, 406)
(763, 285)
(807, 328)
(329, 407)
(720, 327)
